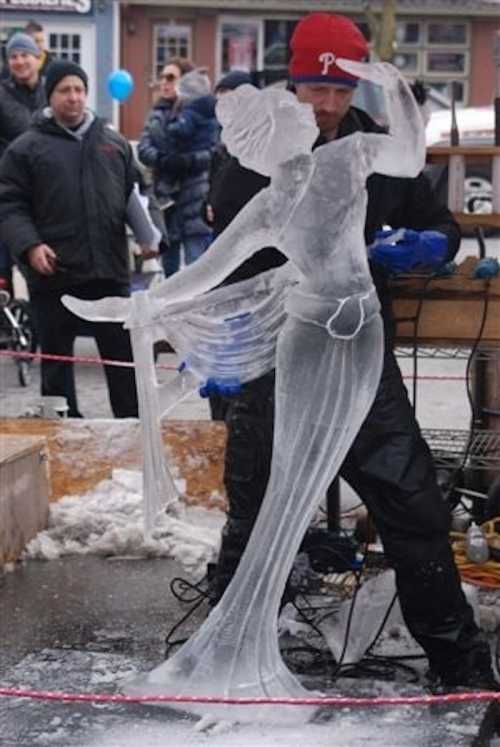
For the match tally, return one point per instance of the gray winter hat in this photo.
(20, 42)
(194, 84)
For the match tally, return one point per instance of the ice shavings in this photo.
(109, 521)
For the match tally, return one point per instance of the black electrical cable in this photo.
(187, 593)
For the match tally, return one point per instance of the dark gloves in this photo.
(179, 165)
(405, 249)
(176, 165)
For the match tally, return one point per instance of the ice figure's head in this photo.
(264, 128)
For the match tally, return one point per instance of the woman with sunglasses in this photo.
(157, 150)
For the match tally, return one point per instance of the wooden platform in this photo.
(81, 453)
(450, 310)
(24, 492)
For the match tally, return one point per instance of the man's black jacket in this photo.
(397, 202)
(17, 104)
(72, 195)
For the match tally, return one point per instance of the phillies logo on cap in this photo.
(318, 41)
(328, 59)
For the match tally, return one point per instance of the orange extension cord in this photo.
(486, 575)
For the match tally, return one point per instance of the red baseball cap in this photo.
(317, 41)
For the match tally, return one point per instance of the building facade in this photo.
(439, 41)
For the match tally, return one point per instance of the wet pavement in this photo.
(86, 624)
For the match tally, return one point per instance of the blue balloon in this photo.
(120, 84)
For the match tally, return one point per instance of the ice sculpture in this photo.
(328, 360)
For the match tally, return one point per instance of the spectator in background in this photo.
(193, 132)
(158, 150)
(66, 187)
(220, 155)
(37, 33)
(21, 93)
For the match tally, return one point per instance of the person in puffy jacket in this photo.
(180, 164)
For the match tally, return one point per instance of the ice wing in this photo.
(109, 309)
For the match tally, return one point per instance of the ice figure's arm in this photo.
(402, 151)
(109, 309)
(245, 235)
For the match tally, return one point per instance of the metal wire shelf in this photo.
(448, 447)
(448, 353)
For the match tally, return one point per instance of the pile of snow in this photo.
(109, 521)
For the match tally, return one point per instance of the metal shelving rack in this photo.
(448, 353)
(449, 446)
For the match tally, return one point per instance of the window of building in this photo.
(277, 35)
(436, 51)
(408, 32)
(65, 46)
(169, 40)
(239, 44)
(407, 62)
(447, 33)
(446, 62)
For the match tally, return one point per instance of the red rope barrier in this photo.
(77, 359)
(164, 366)
(339, 701)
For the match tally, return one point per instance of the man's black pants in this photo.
(391, 468)
(57, 328)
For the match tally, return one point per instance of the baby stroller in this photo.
(17, 332)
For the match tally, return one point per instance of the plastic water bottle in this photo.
(477, 545)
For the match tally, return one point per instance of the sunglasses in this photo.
(169, 77)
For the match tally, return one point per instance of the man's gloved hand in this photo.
(176, 165)
(404, 249)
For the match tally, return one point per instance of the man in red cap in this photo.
(389, 464)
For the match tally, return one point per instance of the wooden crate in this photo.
(24, 493)
(84, 452)
(448, 311)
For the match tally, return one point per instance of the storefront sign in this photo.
(56, 6)
(240, 52)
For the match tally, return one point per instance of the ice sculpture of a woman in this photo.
(328, 361)
(329, 355)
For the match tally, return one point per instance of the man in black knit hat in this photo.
(64, 190)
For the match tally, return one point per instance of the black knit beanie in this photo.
(58, 70)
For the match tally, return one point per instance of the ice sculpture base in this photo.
(274, 687)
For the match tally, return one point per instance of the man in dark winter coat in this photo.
(64, 189)
(389, 464)
(21, 93)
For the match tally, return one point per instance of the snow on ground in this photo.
(109, 521)
(104, 725)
